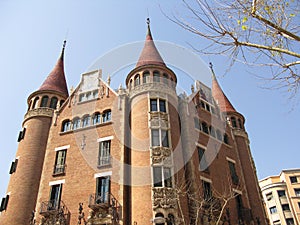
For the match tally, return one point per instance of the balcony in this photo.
(53, 207)
(104, 161)
(59, 170)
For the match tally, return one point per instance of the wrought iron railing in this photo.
(104, 161)
(53, 207)
(59, 169)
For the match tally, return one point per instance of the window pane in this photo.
(153, 105)
(103, 189)
(97, 118)
(156, 77)
(167, 177)
(44, 101)
(207, 193)
(281, 193)
(104, 153)
(293, 179)
(234, 177)
(162, 105)
(165, 138)
(157, 176)
(155, 137)
(202, 159)
(53, 103)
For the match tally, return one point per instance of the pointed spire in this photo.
(218, 94)
(149, 54)
(56, 80)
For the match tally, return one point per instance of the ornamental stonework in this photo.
(160, 154)
(164, 198)
(48, 112)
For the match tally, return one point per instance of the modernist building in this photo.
(281, 195)
(136, 155)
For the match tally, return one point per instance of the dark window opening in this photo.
(4, 203)
(55, 195)
(66, 126)
(233, 122)
(162, 176)
(104, 153)
(44, 102)
(156, 76)
(13, 166)
(60, 162)
(204, 127)
(21, 134)
(293, 179)
(234, 176)
(146, 76)
(102, 190)
(106, 117)
(281, 193)
(53, 103)
(207, 192)
(202, 159)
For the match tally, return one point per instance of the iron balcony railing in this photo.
(104, 161)
(53, 207)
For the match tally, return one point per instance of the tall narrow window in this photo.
(234, 176)
(196, 123)
(204, 127)
(219, 135)
(104, 153)
(44, 102)
(13, 166)
(233, 122)
(155, 137)
(55, 195)
(166, 79)
(66, 126)
(165, 138)
(86, 121)
(35, 103)
(137, 80)
(159, 138)
(162, 176)
(239, 205)
(156, 76)
(102, 190)
(53, 103)
(21, 134)
(162, 105)
(106, 116)
(60, 162)
(153, 105)
(202, 160)
(297, 192)
(225, 139)
(240, 123)
(207, 192)
(146, 77)
(4, 203)
(273, 210)
(157, 105)
(212, 131)
(281, 193)
(76, 123)
(97, 118)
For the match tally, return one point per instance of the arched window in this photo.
(240, 123)
(171, 220)
(106, 116)
(172, 82)
(97, 118)
(76, 123)
(219, 135)
(165, 78)
(29, 105)
(66, 126)
(137, 80)
(159, 219)
(88, 95)
(35, 102)
(233, 122)
(86, 120)
(95, 94)
(53, 103)
(146, 76)
(204, 127)
(225, 139)
(44, 102)
(156, 76)
(130, 84)
(212, 131)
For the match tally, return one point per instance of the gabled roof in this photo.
(150, 54)
(219, 96)
(56, 80)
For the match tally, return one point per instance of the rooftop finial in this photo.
(148, 21)
(212, 70)
(63, 50)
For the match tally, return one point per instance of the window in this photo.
(95, 94)
(293, 179)
(44, 101)
(104, 153)
(299, 205)
(225, 139)
(273, 210)
(204, 127)
(212, 131)
(4, 203)
(159, 138)
(159, 219)
(106, 116)
(137, 80)
(290, 221)
(234, 176)
(76, 123)
(171, 219)
(219, 135)
(86, 121)
(21, 134)
(239, 205)
(157, 105)
(60, 162)
(269, 196)
(13, 166)
(285, 207)
(297, 192)
(202, 160)
(81, 97)
(102, 190)
(162, 176)
(207, 192)
(233, 122)
(196, 123)
(53, 103)
(156, 76)
(97, 118)
(277, 222)
(35, 102)
(281, 193)
(146, 76)
(207, 107)
(66, 126)
(240, 123)
(165, 79)
(55, 195)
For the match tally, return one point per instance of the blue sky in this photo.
(32, 33)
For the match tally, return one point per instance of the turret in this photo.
(154, 127)
(26, 173)
(236, 122)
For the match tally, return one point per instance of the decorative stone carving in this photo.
(51, 219)
(48, 112)
(159, 119)
(160, 154)
(156, 87)
(164, 198)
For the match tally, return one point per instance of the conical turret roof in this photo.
(150, 54)
(56, 80)
(219, 96)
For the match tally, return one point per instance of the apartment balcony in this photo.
(59, 170)
(104, 161)
(53, 207)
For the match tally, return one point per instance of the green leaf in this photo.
(239, 22)
(245, 19)
(292, 15)
(244, 27)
